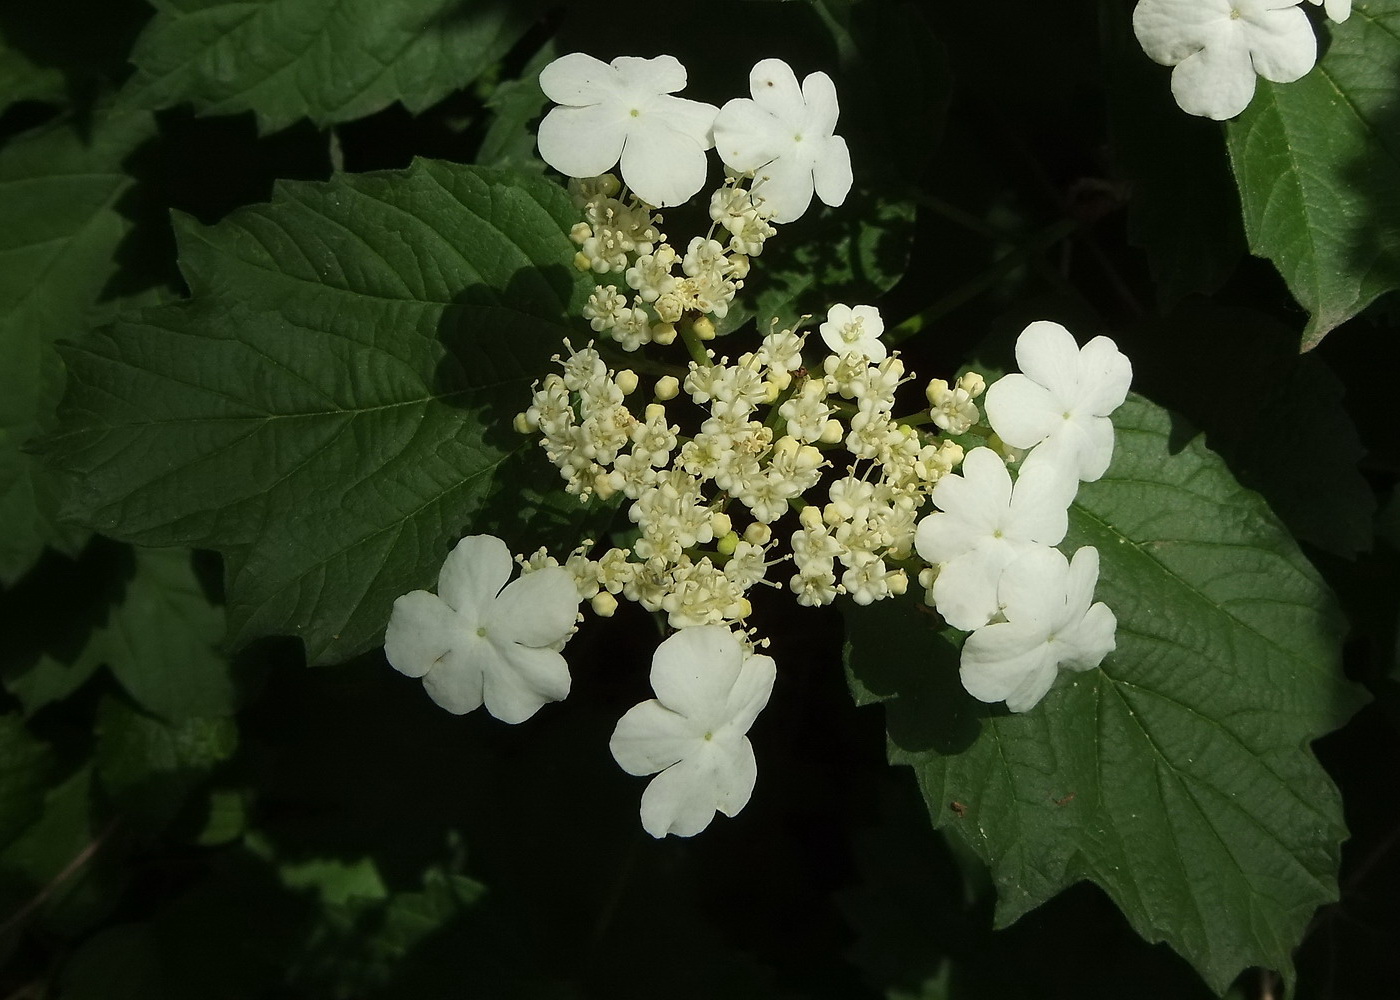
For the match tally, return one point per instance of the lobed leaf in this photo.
(331, 408)
(327, 60)
(59, 229)
(1317, 163)
(1177, 776)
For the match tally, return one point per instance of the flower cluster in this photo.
(784, 465)
(1218, 47)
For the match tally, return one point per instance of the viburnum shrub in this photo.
(707, 370)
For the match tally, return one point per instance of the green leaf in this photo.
(1177, 776)
(1317, 163)
(21, 79)
(149, 766)
(332, 407)
(327, 60)
(514, 104)
(66, 50)
(24, 765)
(59, 228)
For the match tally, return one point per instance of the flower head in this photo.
(1218, 46)
(784, 137)
(854, 330)
(1049, 624)
(985, 525)
(474, 642)
(1063, 399)
(624, 109)
(709, 689)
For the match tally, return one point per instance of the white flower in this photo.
(854, 330)
(985, 525)
(709, 690)
(1049, 624)
(1063, 398)
(1337, 10)
(784, 137)
(473, 642)
(625, 110)
(1217, 47)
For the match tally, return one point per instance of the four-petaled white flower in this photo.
(473, 642)
(709, 690)
(986, 524)
(625, 110)
(854, 330)
(1218, 46)
(783, 136)
(1337, 10)
(1049, 624)
(1063, 399)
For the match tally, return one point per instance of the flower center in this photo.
(853, 331)
(709, 736)
(797, 137)
(1235, 14)
(637, 112)
(481, 631)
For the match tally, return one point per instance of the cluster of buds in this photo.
(761, 433)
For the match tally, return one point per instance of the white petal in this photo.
(1082, 578)
(1022, 412)
(965, 590)
(1040, 502)
(774, 87)
(583, 142)
(578, 80)
(660, 75)
(942, 537)
(822, 108)
(693, 119)
(694, 671)
(750, 693)
(681, 799)
(1000, 659)
(519, 679)
(474, 573)
(1084, 645)
(1033, 589)
(1033, 687)
(650, 738)
(1282, 45)
(785, 185)
(422, 630)
(736, 778)
(1092, 445)
(539, 609)
(981, 494)
(1338, 10)
(1171, 30)
(746, 136)
(1104, 377)
(1048, 354)
(831, 171)
(456, 682)
(1216, 82)
(661, 166)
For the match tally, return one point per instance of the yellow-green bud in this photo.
(728, 543)
(668, 386)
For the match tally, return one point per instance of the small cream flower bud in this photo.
(936, 391)
(811, 517)
(898, 581)
(663, 334)
(832, 432)
(626, 381)
(973, 384)
(771, 388)
(758, 533)
(745, 608)
(721, 524)
(704, 328)
(728, 543)
(521, 423)
(582, 261)
(604, 604)
(655, 411)
(667, 387)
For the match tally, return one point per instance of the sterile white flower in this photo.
(784, 137)
(1218, 46)
(985, 525)
(625, 110)
(1049, 624)
(474, 642)
(709, 689)
(1337, 10)
(854, 330)
(1063, 398)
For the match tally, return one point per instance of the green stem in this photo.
(694, 345)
